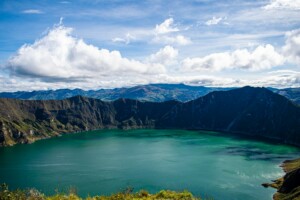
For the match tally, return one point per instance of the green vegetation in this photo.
(249, 111)
(128, 194)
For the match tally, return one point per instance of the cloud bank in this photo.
(261, 58)
(59, 55)
(283, 4)
(60, 60)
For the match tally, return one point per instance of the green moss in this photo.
(33, 194)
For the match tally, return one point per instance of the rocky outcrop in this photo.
(252, 111)
(288, 186)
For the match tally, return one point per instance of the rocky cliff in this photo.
(250, 111)
(288, 186)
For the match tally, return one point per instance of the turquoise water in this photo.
(102, 162)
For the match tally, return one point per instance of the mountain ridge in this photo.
(248, 111)
(150, 92)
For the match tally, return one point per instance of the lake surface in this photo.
(102, 162)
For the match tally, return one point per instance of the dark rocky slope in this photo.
(288, 186)
(251, 111)
(23, 121)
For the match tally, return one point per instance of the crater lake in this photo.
(209, 164)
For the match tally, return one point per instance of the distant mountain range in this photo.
(249, 111)
(152, 92)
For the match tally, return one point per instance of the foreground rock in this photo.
(255, 112)
(288, 186)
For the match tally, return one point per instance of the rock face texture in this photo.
(288, 186)
(251, 111)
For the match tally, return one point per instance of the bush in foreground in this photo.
(33, 194)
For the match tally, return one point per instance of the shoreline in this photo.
(288, 186)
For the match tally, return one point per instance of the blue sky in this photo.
(93, 44)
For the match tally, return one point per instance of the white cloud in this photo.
(60, 56)
(59, 60)
(163, 34)
(278, 79)
(214, 21)
(263, 57)
(291, 48)
(166, 27)
(177, 40)
(128, 38)
(32, 11)
(165, 56)
(283, 4)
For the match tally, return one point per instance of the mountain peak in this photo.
(152, 92)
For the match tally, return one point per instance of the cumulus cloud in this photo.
(32, 11)
(60, 56)
(263, 57)
(291, 48)
(163, 34)
(166, 27)
(283, 4)
(214, 21)
(60, 60)
(165, 56)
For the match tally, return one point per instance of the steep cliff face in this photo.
(24, 121)
(251, 111)
(288, 186)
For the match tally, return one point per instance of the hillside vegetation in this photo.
(256, 112)
(33, 194)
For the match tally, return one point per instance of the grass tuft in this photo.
(127, 194)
